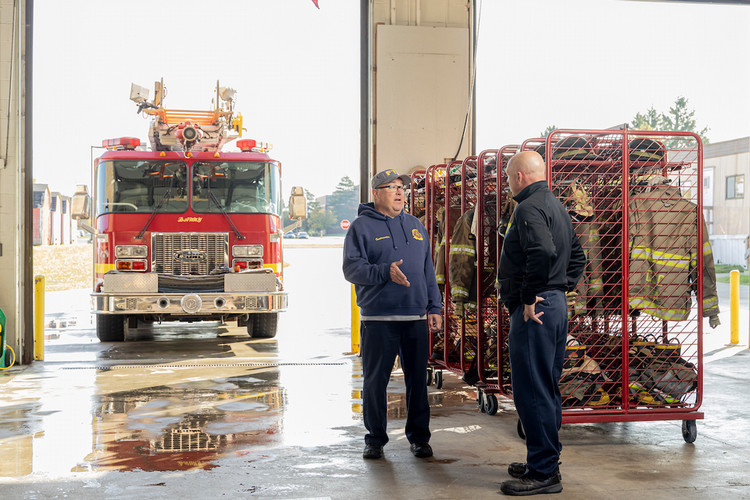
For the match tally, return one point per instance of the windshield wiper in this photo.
(225, 214)
(164, 198)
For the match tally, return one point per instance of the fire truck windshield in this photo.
(241, 187)
(138, 186)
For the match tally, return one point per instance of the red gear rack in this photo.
(635, 334)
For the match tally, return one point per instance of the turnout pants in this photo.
(380, 342)
(536, 360)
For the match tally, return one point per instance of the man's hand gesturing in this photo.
(396, 275)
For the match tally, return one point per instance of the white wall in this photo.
(729, 249)
(421, 81)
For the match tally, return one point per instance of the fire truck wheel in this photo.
(110, 327)
(262, 326)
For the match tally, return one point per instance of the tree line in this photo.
(679, 118)
(325, 218)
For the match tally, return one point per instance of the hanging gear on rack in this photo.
(462, 264)
(506, 214)
(664, 255)
(441, 235)
(581, 209)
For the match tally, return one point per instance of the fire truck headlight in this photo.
(131, 251)
(247, 251)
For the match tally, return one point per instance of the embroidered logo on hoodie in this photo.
(417, 235)
(381, 238)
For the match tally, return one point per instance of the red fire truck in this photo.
(183, 231)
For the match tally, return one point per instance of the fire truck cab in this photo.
(183, 231)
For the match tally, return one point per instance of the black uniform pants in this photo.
(536, 360)
(381, 341)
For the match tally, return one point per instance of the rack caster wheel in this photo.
(429, 376)
(490, 404)
(689, 430)
(439, 379)
(480, 400)
(519, 430)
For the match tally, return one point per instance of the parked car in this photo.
(302, 235)
(288, 236)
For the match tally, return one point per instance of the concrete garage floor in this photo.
(232, 417)
(202, 411)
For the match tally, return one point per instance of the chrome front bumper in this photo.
(198, 304)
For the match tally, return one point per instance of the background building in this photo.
(41, 215)
(726, 168)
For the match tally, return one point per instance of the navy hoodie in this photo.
(372, 243)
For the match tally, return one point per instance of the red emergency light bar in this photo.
(128, 143)
(247, 145)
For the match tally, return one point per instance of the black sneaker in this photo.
(421, 450)
(527, 485)
(373, 452)
(518, 469)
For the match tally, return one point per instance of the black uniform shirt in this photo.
(541, 251)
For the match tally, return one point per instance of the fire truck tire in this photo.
(110, 327)
(263, 326)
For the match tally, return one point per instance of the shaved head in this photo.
(524, 169)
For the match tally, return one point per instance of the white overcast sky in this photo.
(574, 64)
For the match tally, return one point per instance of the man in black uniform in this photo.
(541, 260)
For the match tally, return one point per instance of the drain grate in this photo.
(217, 365)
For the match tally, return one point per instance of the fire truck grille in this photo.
(189, 253)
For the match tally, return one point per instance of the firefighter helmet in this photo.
(573, 147)
(646, 150)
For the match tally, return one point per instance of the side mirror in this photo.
(81, 203)
(297, 204)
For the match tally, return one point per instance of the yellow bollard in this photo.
(355, 323)
(734, 307)
(39, 318)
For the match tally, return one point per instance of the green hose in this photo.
(2, 339)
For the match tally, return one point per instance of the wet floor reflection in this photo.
(187, 341)
(18, 424)
(184, 425)
(181, 396)
(183, 402)
(452, 396)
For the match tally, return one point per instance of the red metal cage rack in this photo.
(634, 348)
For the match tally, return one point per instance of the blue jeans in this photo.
(380, 342)
(536, 360)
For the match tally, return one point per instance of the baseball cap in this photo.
(387, 176)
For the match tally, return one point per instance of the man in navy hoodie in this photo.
(387, 257)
